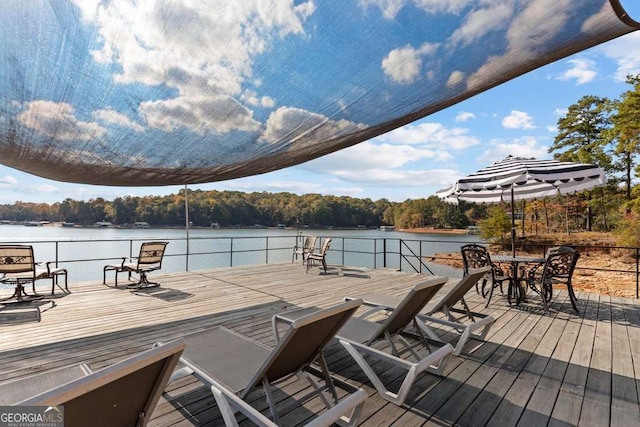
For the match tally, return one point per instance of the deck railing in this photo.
(85, 258)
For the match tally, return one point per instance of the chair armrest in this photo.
(48, 263)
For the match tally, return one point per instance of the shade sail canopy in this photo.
(144, 92)
(517, 178)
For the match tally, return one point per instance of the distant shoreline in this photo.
(429, 230)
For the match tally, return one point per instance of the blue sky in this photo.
(517, 118)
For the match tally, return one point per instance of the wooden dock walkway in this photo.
(535, 369)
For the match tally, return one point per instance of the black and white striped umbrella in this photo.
(517, 178)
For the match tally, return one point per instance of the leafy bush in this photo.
(628, 231)
(496, 225)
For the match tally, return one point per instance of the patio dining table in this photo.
(517, 292)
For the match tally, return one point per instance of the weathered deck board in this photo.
(535, 368)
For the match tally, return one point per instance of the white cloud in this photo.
(560, 112)
(464, 116)
(625, 51)
(382, 164)
(252, 98)
(455, 78)
(440, 6)
(288, 124)
(161, 43)
(552, 129)
(539, 22)
(479, 22)
(57, 120)
(293, 186)
(390, 8)
(195, 113)
(403, 65)
(518, 120)
(398, 178)
(431, 134)
(39, 189)
(582, 70)
(520, 147)
(8, 180)
(9, 183)
(109, 115)
(369, 155)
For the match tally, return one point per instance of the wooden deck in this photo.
(535, 369)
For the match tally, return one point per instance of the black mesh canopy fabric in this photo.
(161, 92)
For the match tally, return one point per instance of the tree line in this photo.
(233, 208)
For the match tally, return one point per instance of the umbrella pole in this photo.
(513, 226)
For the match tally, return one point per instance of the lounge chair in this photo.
(308, 247)
(18, 267)
(123, 394)
(446, 306)
(359, 335)
(149, 259)
(319, 256)
(233, 365)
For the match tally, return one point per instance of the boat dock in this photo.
(535, 368)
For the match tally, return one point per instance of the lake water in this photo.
(85, 251)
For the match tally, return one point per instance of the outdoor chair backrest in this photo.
(302, 343)
(409, 307)
(461, 288)
(123, 394)
(560, 264)
(310, 243)
(325, 246)
(16, 259)
(477, 256)
(474, 256)
(152, 253)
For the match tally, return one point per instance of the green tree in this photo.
(581, 133)
(626, 130)
(496, 225)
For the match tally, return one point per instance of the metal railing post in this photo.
(57, 254)
(231, 253)
(343, 251)
(186, 258)
(375, 254)
(637, 271)
(267, 251)
(384, 252)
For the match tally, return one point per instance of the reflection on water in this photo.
(85, 251)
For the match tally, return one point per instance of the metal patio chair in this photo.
(307, 248)
(557, 270)
(477, 256)
(319, 256)
(149, 259)
(18, 267)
